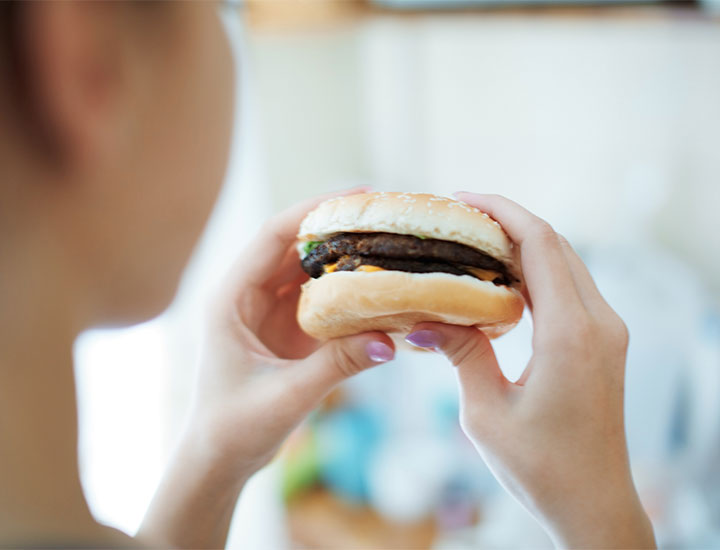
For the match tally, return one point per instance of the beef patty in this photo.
(400, 253)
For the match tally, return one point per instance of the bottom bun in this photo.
(349, 302)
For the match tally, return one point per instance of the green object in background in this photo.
(301, 468)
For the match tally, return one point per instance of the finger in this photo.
(276, 236)
(587, 289)
(549, 282)
(291, 288)
(481, 380)
(288, 270)
(336, 360)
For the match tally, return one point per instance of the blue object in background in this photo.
(346, 440)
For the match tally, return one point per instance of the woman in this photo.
(113, 142)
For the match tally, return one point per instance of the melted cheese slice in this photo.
(332, 268)
(482, 274)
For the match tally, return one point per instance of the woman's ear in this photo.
(72, 63)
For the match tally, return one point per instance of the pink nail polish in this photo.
(379, 352)
(424, 339)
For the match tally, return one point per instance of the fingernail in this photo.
(424, 339)
(379, 352)
(456, 193)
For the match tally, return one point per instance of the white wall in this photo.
(583, 120)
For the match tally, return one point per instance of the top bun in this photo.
(420, 214)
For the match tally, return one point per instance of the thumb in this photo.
(338, 359)
(481, 380)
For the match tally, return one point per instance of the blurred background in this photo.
(603, 118)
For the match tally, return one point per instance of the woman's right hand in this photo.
(555, 439)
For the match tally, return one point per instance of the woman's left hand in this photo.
(261, 374)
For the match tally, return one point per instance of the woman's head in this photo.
(115, 125)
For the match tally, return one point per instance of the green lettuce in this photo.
(310, 246)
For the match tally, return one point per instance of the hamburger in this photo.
(386, 261)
